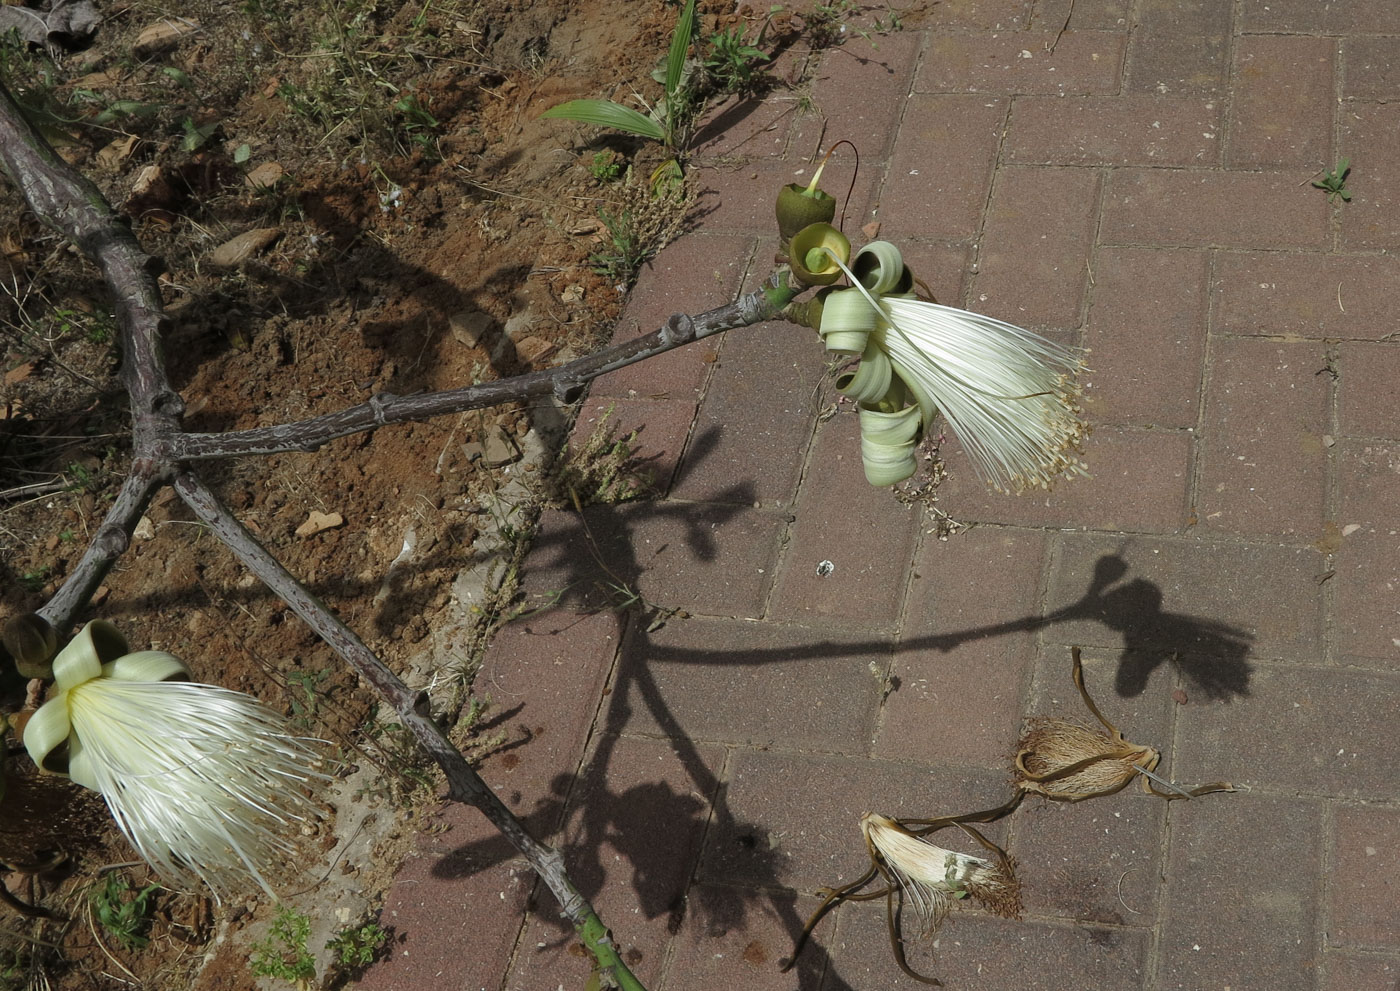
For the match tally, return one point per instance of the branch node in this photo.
(377, 402)
(568, 391)
(680, 329)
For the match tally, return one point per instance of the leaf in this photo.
(680, 46)
(242, 153)
(605, 113)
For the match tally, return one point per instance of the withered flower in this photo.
(1069, 762)
(932, 877)
(927, 877)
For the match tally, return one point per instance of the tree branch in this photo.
(565, 382)
(73, 206)
(463, 783)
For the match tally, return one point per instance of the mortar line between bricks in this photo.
(721, 788)
(1338, 87)
(998, 164)
(1155, 951)
(1225, 146)
(1050, 562)
(1152, 962)
(1331, 503)
(1126, 70)
(1087, 302)
(1198, 446)
(1324, 927)
(704, 392)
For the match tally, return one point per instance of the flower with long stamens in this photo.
(1009, 394)
(208, 784)
(932, 877)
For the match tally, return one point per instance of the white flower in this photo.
(931, 877)
(1009, 394)
(208, 784)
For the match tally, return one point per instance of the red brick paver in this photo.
(702, 722)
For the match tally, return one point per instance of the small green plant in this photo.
(33, 580)
(731, 62)
(1335, 182)
(82, 477)
(123, 912)
(604, 469)
(418, 124)
(620, 264)
(825, 23)
(605, 167)
(306, 695)
(282, 953)
(196, 135)
(357, 946)
(664, 121)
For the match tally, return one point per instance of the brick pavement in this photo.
(1138, 184)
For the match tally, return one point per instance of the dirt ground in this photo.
(420, 229)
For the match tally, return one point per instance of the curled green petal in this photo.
(928, 408)
(871, 380)
(847, 320)
(879, 267)
(45, 734)
(83, 657)
(887, 444)
(81, 769)
(813, 251)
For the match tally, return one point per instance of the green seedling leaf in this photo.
(1334, 182)
(680, 46)
(179, 76)
(605, 113)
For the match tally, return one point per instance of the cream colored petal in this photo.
(47, 729)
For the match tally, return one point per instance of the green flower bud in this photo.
(800, 207)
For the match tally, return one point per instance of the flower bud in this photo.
(798, 207)
(32, 643)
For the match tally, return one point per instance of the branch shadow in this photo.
(655, 834)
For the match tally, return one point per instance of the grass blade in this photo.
(605, 113)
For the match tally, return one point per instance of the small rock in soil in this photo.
(469, 327)
(163, 36)
(318, 521)
(236, 251)
(265, 176)
(500, 448)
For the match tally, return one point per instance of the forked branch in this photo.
(163, 453)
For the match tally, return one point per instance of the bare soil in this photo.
(423, 230)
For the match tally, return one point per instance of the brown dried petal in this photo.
(1069, 762)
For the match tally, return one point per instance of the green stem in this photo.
(599, 941)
